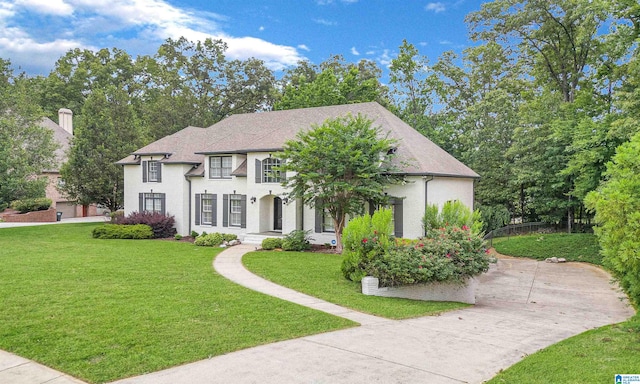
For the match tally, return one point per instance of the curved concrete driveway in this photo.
(523, 306)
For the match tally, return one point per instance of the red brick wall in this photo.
(31, 217)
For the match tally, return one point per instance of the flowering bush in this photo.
(449, 253)
(364, 238)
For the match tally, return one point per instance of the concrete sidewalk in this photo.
(523, 306)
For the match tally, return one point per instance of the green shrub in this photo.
(297, 240)
(31, 205)
(121, 231)
(178, 237)
(357, 249)
(453, 213)
(194, 234)
(617, 206)
(494, 217)
(209, 240)
(446, 254)
(229, 236)
(271, 243)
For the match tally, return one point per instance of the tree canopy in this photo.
(340, 166)
(26, 148)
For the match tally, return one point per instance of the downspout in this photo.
(427, 179)
(189, 181)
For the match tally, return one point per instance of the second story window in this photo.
(220, 167)
(270, 173)
(152, 168)
(151, 171)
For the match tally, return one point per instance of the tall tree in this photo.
(340, 166)
(557, 41)
(333, 82)
(193, 83)
(107, 131)
(26, 148)
(79, 72)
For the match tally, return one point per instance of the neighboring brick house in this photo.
(62, 134)
(219, 179)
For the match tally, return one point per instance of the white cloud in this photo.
(47, 7)
(423, 44)
(354, 51)
(436, 7)
(370, 53)
(304, 47)
(384, 59)
(139, 23)
(261, 28)
(327, 2)
(445, 42)
(325, 22)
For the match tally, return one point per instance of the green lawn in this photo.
(319, 275)
(573, 247)
(107, 309)
(591, 357)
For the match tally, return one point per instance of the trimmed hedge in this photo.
(271, 243)
(31, 205)
(121, 231)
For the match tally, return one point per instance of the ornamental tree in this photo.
(339, 166)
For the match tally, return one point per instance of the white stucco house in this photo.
(219, 179)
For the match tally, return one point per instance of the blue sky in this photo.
(35, 33)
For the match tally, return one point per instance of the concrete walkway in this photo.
(523, 306)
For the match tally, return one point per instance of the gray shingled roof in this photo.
(268, 131)
(62, 138)
(178, 148)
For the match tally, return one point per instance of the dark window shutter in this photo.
(319, 217)
(198, 198)
(140, 202)
(397, 218)
(159, 168)
(243, 211)
(163, 204)
(144, 171)
(225, 210)
(283, 174)
(214, 211)
(258, 171)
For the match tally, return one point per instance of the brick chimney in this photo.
(65, 119)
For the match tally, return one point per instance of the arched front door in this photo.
(277, 214)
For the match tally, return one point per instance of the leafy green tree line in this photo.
(537, 106)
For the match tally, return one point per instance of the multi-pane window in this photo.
(269, 172)
(207, 209)
(235, 210)
(220, 167)
(153, 202)
(152, 171)
(327, 222)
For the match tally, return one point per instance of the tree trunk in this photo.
(338, 224)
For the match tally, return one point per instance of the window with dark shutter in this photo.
(258, 171)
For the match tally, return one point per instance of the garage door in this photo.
(68, 209)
